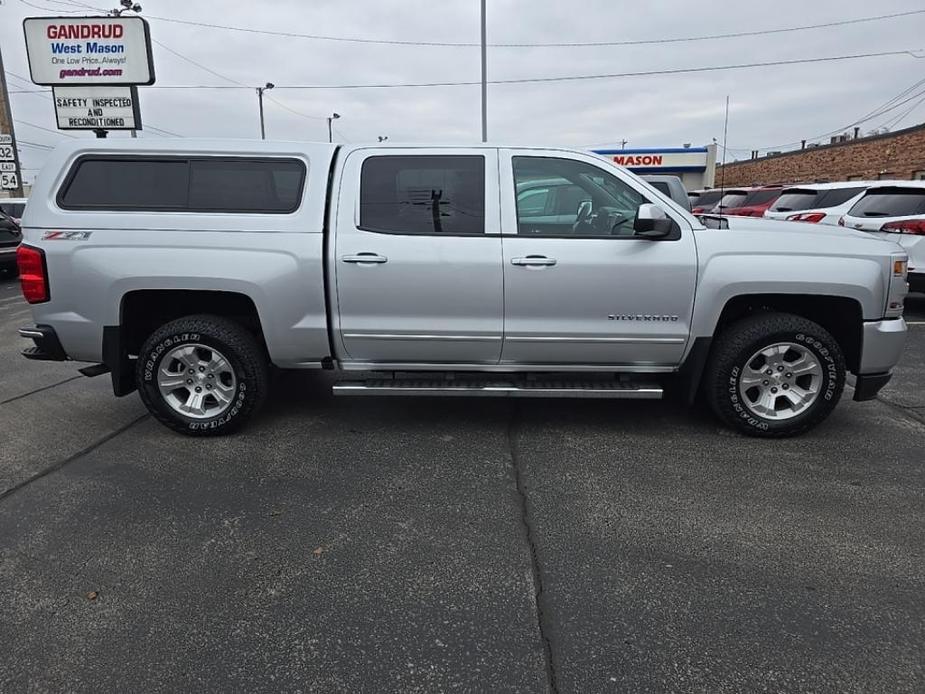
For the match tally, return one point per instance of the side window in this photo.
(113, 184)
(426, 194)
(589, 200)
(228, 185)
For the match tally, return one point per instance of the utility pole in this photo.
(7, 128)
(333, 117)
(260, 91)
(484, 78)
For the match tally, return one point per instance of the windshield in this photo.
(795, 199)
(708, 198)
(13, 209)
(890, 202)
(759, 197)
(734, 198)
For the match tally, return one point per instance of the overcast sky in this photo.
(770, 105)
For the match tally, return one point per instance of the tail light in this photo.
(33, 274)
(916, 227)
(811, 217)
(841, 221)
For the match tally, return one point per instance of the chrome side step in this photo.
(501, 389)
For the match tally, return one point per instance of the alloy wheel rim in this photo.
(196, 381)
(780, 381)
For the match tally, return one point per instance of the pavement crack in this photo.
(70, 459)
(539, 592)
(39, 390)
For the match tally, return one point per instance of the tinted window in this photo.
(661, 187)
(890, 202)
(709, 198)
(734, 199)
(838, 196)
(795, 199)
(13, 209)
(186, 185)
(423, 194)
(133, 184)
(759, 197)
(608, 205)
(244, 186)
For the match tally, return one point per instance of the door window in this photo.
(580, 199)
(428, 194)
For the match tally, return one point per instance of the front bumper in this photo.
(882, 345)
(47, 346)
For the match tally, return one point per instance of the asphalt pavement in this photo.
(476, 545)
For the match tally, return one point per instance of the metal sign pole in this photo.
(484, 79)
(6, 115)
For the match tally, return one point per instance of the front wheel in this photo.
(775, 375)
(202, 375)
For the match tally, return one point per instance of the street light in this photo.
(260, 91)
(332, 118)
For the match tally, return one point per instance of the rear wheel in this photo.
(202, 375)
(775, 375)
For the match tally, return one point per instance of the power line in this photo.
(883, 109)
(567, 78)
(42, 127)
(567, 44)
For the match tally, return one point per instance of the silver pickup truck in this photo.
(187, 268)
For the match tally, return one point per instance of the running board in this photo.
(501, 389)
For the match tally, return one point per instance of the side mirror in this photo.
(651, 222)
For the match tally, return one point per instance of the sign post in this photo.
(10, 178)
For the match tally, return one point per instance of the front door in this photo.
(579, 287)
(417, 252)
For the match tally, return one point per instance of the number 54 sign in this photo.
(9, 181)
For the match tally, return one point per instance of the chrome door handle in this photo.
(533, 261)
(364, 258)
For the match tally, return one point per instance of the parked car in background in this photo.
(10, 236)
(895, 212)
(670, 186)
(817, 203)
(748, 202)
(13, 207)
(706, 201)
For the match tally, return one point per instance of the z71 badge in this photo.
(66, 235)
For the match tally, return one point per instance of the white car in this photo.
(895, 211)
(818, 203)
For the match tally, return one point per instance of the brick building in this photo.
(896, 155)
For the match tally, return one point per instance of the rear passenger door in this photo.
(417, 257)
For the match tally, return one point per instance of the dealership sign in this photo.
(89, 50)
(92, 108)
(676, 159)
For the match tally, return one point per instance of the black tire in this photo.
(731, 354)
(241, 349)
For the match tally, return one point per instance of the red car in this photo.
(748, 202)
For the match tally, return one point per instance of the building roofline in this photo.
(832, 145)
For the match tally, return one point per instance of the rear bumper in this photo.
(882, 345)
(47, 346)
(8, 255)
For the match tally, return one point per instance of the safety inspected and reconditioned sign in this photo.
(77, 51)
(92, 108)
